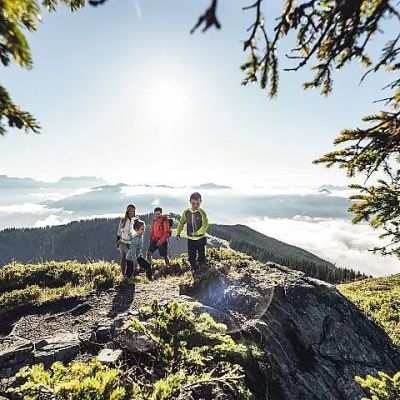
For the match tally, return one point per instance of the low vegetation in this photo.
(384, 387)
(36, 284)
(175, 368)
(379, 299)
(191, 357)
(23, 286)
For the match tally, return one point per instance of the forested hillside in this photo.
(265, 248)
(79, 240)
(95, 240)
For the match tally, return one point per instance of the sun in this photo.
(167, 102)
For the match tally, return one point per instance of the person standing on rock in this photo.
(125, 234)
(196, 222)
(159, 235)
(134, 256)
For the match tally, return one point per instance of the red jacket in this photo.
(160, 229)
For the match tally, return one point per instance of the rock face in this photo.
(314, 340)
(14, 354)
(19, 352)
(63, 346)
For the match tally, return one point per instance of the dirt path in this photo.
(89, 314)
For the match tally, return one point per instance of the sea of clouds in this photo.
(315, 220)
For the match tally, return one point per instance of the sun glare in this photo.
(167, 102)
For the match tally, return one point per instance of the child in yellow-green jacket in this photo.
(196, 224)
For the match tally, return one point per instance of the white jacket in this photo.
(125, 231)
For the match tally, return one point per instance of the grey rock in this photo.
(103, 333)
(14, 354)
(133, 341)
(109, 356)
(62, 346)
(314, 340)
(120, 319)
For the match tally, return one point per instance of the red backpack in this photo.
(170, 224)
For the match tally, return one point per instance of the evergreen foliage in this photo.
(23, 286)
(17, 16)
(78, 381)
(383, 387)
(94, 240)
(379, 299)
(263, 248)
(329, 35)
(192, 357)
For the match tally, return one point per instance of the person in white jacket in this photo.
(125, 234)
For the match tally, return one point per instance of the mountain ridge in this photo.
(308, 340)
(94, 240)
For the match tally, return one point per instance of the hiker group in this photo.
(131, 230)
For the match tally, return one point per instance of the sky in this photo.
(123, 91)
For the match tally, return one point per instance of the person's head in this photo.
(139, 226)
(157, 212)
(130, 212)
(195, 200)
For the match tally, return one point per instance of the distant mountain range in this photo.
(89, 182)
(332, 187)
(7, 182)
(95, 239)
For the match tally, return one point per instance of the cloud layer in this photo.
(335, 240)
(299, 215)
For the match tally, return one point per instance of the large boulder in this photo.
(313, 339)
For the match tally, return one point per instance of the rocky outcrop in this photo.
(16, 352)
(62, 346)
(311, 340)
(314, 341)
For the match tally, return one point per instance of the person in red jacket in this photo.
(159, 235)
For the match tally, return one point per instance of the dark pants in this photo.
(197, 252)
(143, 263)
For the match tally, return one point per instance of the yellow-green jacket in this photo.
(196, 223)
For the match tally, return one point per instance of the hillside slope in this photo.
(94, 240)
(379, 299)
(241, 237)
(311, 341)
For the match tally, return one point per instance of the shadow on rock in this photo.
(122, 300)
(312, 340)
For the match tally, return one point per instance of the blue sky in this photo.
(124, 92)
(100, 88)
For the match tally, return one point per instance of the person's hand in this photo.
(117, 245)
(159, 243)
(178, 237)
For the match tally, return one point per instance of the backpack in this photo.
(171, 223)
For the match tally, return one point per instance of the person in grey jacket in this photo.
(124, 234)
(134, 255)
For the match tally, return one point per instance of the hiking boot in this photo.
(150, 277)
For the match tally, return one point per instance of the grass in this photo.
(36, 284)
(24, 285)
(379, 299)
